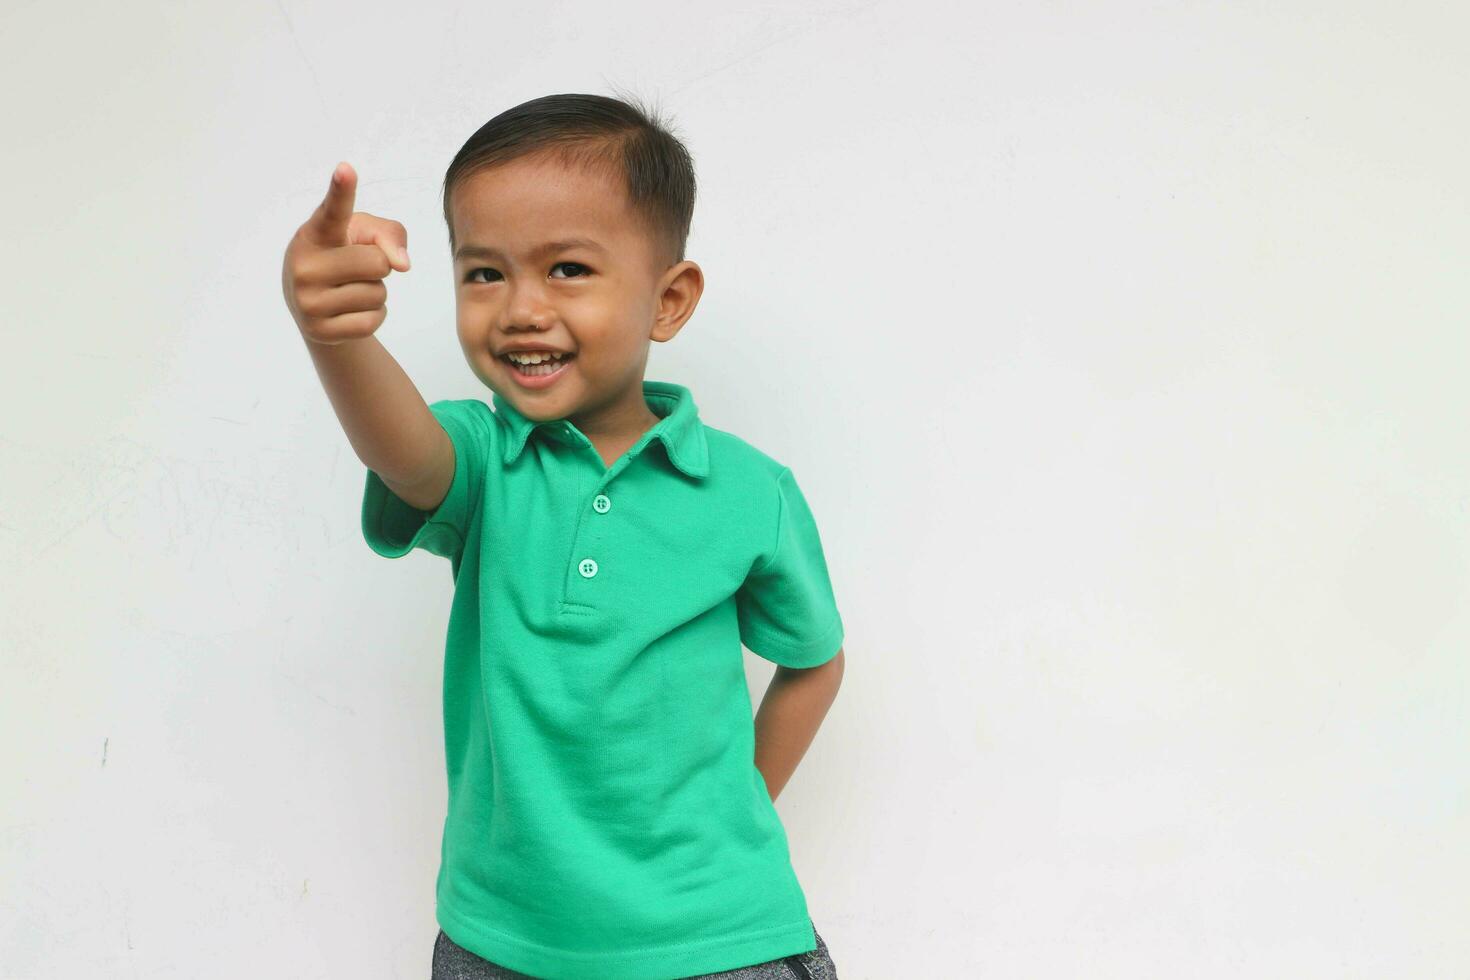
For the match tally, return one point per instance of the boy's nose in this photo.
(528, 319)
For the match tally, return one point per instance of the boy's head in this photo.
(568, 216)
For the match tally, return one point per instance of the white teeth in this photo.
(534, 357)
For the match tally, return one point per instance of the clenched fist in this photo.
(336, 263)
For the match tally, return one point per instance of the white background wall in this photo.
(1126, 348)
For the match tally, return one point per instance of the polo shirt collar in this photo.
(679, 426)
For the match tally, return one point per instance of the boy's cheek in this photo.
(474, 331)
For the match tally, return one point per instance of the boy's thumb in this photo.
(387, 234)
(397, 253)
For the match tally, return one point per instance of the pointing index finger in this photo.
(332, 215)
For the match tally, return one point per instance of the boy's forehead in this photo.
(523, 204)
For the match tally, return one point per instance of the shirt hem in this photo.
(650, 963)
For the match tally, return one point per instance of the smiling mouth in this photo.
(543, 369)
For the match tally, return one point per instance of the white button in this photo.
(587, 567)
(600, 503)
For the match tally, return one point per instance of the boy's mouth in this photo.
(537, 369)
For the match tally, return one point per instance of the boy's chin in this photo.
(546, 405)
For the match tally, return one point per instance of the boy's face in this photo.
(601, 300)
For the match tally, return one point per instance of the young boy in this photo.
(611, 796)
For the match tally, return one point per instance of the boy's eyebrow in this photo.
(470, 250)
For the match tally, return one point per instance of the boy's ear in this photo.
(679, 291)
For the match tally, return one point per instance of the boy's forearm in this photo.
(386, 420)
(788, 718)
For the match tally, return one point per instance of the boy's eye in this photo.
(470, 276)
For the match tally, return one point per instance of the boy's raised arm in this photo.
(332, 278)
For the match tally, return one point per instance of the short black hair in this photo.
(604, 135)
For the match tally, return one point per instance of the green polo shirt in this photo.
(606, 818)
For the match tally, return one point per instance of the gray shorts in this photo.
(454, 962)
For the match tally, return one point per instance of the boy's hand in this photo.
(336, 263)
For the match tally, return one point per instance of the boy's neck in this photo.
(614, 428)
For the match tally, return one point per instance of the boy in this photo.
(611, 797)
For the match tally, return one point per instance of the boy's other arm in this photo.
(789, 715)
(386, 420)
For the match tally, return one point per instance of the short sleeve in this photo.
(393, 527)
(786, 609)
